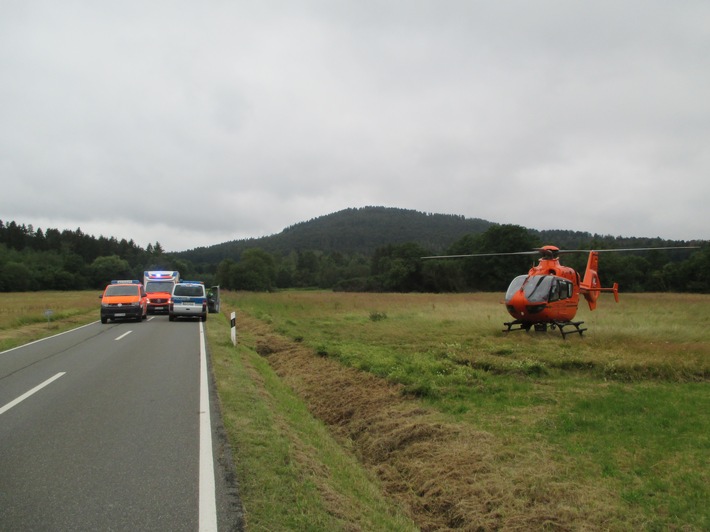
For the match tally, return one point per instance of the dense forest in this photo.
(351, 232)
(368, 249)
(71, 260)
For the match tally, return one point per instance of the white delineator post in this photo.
(234, 328)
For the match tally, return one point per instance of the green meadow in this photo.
(615, 424)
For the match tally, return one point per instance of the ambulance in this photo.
(159, 286)
(123, 300)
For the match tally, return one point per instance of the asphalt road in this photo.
(100, 429)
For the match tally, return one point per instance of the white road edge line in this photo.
(208, 505)
(34, 390)
(122, 336)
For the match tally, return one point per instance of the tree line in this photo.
(400, 267)
(32, 260)
(71, 260)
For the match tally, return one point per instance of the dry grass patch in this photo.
(447, 476)
(23, 318)
(293, 474)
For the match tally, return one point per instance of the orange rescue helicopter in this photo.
(548, 295)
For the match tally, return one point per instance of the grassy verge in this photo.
(615, 422)
(293, 475)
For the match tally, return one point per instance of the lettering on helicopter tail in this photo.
(590, 291)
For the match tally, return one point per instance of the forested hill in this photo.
(367, 249)
(352, 231)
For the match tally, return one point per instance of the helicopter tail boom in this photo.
(590, 287)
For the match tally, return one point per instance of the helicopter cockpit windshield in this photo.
(537, 289)
(515, 285)
(540, 288)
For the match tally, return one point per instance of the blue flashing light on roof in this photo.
(192, 282)
(158, 275)
(125, 281)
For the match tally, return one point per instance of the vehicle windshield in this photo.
(122, 290)
(159, 286)
(189, 290)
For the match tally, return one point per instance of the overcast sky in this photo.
(194, 123)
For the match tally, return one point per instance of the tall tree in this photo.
(105, 269)
(255, 271)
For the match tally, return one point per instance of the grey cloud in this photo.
(284, 112)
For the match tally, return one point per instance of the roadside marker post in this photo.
(233, 322)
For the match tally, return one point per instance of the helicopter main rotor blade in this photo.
(624, 249)
(553, 252)
(536, 252)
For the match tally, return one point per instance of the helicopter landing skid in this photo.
(518, 325)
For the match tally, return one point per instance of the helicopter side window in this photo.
(560, 289)
(569, 288)
(565, 289)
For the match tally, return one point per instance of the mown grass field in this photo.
(24, 317)
(414, 411)
(608, 431)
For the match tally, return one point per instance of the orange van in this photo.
(124, 300)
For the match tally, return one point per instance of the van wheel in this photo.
(104, 320)
(171, 318)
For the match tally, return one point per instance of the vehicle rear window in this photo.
(189, 290)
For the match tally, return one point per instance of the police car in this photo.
(124, 299)
(188, 299)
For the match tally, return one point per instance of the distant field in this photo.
(468, 427)
(24, 316)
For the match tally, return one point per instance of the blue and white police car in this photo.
(188, 299)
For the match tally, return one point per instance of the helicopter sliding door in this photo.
(560, 301)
